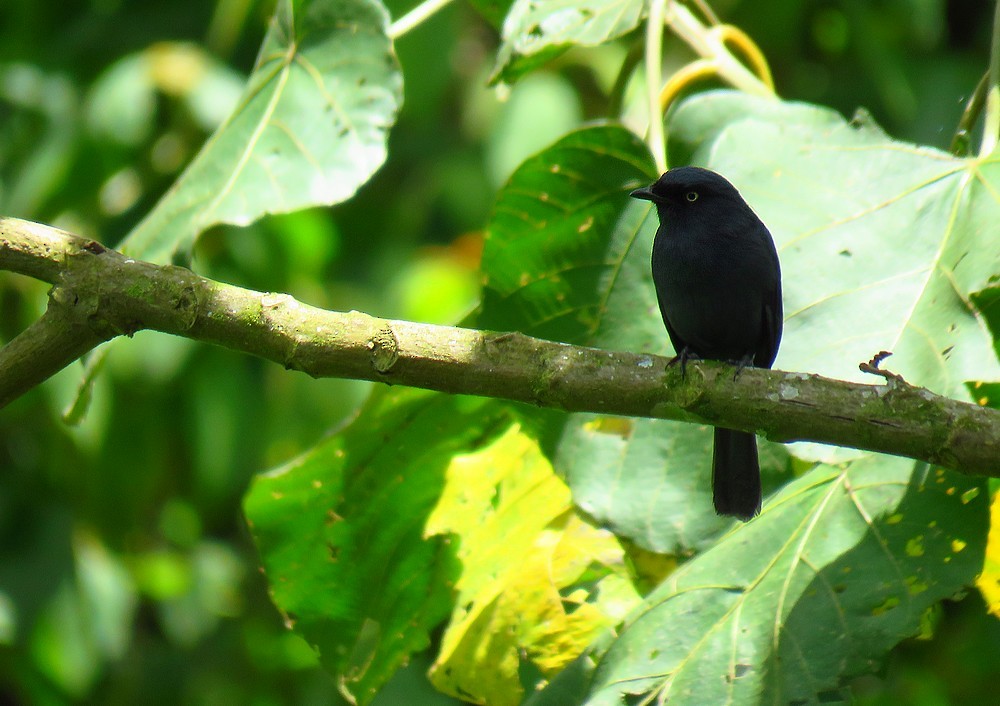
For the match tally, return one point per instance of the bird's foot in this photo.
(741, 365)
(872, 367)
(683, 357)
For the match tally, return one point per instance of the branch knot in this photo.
(384, 349)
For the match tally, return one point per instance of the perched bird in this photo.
(718, 284)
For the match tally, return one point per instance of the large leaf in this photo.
(889, 249)
(537, 583)
(309, 129)
(365, 538)
(883, 244)
(536, 30)
(341, 531)
(842, 565)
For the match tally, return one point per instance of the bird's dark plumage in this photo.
(718, 284)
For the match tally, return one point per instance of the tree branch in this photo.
(98, 294)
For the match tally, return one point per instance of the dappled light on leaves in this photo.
(537, 582)
(786, 606)
(309, 129)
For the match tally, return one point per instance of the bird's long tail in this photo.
(735, 474)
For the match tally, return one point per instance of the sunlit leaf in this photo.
(537, 583)
(882, 243)
(988, 582)
(885, 251)
(841, 566)
(309, 129)
(534, 30)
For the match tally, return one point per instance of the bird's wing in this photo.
(675, 340)
(771, 323)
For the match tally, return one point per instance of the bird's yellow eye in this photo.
(691, 196)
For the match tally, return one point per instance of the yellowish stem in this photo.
(734, 36)
(415, 17)
(691, 73)
(711, 45)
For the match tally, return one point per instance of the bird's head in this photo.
(688, 190)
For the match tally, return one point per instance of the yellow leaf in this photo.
(988, 581)
(537, 582)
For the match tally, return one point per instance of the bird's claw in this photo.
(872, 367)
(741, 365)
(683, 357)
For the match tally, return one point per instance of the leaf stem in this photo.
(707, 12)
(751, 52)
(654, 79)
(414, 17)
(683, 78)
(991, 123)
(711, 45)
(973, 109)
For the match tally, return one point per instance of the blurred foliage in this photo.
(127, 573)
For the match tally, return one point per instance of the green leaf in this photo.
(535, 31)
(987, 302)
(309, 129)
(341, 531)
(650, 480)
(842, 565)
(559, 233)
(695, 124)
(883, 244)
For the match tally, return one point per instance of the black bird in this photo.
(718, 284)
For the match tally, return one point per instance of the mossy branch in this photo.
(99, 294)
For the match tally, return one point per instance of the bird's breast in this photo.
(711, 294)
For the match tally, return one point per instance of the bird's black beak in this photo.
(645, 193)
